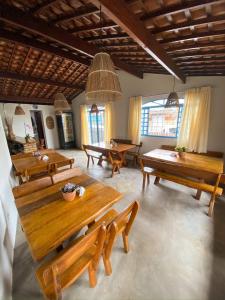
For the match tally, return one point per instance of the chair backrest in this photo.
(37, 170)
(122, 223)
(63, 163)
(21, 155)
(88, 148)
(123, 141)
(33, 186)
(58, 177)
(51, 272)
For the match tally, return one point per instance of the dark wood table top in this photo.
(48, 220)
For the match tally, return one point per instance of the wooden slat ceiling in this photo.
(47, 46)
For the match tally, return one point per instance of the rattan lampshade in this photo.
(19, 111)
(61, 104)
(103, 83)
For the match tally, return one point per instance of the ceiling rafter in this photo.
(176, 8)
(23, 20)
(123, 16)
(193, 36)
(29, 78)
(79, 13)
(187, 24)
(98, 26)
(40, 6)
(25, 100)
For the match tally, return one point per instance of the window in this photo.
(159, 121)
(96, 125)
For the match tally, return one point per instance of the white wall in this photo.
(8, 219)
(154, 84)
(19, 121)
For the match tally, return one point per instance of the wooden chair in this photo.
(60, 166)
(146, 171)
(92, 153)
(135, 153)
(115, 161)
(33, 186)
(38, 172)
(123, 141)
(116, 223)
(64, 269)
(21, 155)
(64, 175)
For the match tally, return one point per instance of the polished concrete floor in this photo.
(176, 251)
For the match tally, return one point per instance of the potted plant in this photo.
(181, 151)
(69, 191)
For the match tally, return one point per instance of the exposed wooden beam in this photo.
(25, 100)
(79, 13)
(204, 73)
(123, 16)
(201, 61)
(197, 54)
(29, 78)
(85, 28)
(40, 6)
(187, 24)
(25, 41)
(193, 36)
(196, 67)
(178, 7)
(23, 20)
(196, 46)
(107, 37)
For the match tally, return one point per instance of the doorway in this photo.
(38, 128)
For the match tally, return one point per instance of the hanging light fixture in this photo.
(94, 108)
(103, 82)
(19, 111)
(61, 104)
(173, 99)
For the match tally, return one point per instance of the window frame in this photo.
(148, 108)
(100, 110)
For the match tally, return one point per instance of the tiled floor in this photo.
(177, 251)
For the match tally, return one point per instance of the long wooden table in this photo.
(120, 149)
(193, 163)
(204, 168)
(48, 220)
(24, 163)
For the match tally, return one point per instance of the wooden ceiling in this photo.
(47, 46)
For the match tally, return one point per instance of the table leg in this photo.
(156, 180)
(198, 195)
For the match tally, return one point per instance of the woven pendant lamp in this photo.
(103, 83)
(61, 104)
(173, 99)
(19, 111)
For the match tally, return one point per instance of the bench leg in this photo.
(88, 162)
(148, 178)
(211, 205)
(92, 160)
(156, 180)
(144, 179)
(198, 195)
(92, 276)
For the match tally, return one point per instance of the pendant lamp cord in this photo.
(100, 23)
(173, 84)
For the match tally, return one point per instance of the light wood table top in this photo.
(24, 163)
(108, 147)
(191, 161)
(48, 220)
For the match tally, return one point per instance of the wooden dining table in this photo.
(120, 149)
(48, 220)
(202, 167)
(24, 163)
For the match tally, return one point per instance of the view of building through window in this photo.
(96, 125)
(159, 121)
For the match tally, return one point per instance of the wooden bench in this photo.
(92, 153)
(200, 180)
(208, 153)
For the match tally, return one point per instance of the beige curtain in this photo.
(195, 120)
(109, 122)
(84, 125)
(134, 122)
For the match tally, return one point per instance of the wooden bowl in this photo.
(69, 196)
